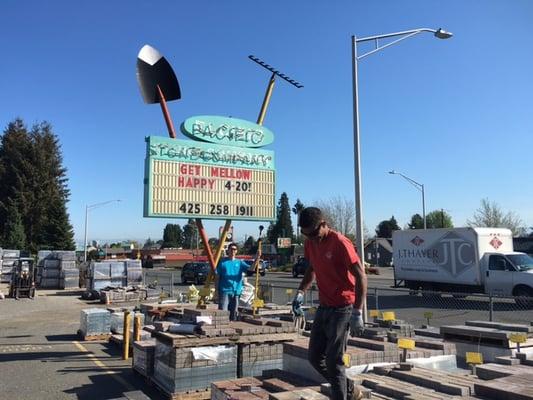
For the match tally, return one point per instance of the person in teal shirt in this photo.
(230, 272)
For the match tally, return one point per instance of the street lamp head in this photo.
(392, 172)
(442, 34)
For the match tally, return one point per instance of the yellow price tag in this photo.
(404, 343)
(205, 292)
(474, 358)
(288, 291)
(389, 316)
(258, 303)
(518, 337)
(346, 360)
(428, 314)
(374, 313)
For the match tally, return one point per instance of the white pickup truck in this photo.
(461, 260)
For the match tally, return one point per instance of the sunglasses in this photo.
(314, 233)
(232, 249)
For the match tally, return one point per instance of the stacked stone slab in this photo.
(57, 270)
(143, 356)
(177, 370)
(254, 358)
(95, 321)
(6, 266)
(113, 274)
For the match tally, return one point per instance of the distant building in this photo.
(378, 251)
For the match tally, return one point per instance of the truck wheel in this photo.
(523, 296)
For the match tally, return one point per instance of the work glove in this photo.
(297, 304)
(357, 326)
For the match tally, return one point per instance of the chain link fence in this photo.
(425, 307)
(415, 307)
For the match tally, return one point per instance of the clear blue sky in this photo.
(453, 114)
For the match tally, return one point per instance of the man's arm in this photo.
(308, 278)
(360, 285)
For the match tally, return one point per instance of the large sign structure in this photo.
(197, 179)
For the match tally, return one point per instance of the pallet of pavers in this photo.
(273, 384)
(509, 378)
(403, 381)
(492, 339)
(216, 349)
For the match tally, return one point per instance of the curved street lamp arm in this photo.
(417, 185)
(90, 207)
(378, 48)
(403, 33)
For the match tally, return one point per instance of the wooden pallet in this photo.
(93, 338)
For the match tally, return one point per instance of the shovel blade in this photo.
(154, 70)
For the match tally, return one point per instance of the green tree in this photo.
(296, 209)
(283, 225)
(170, 236)
(15, 238)
(31, 171)
(491, 215)
(417, 222)
(190, 232)
(438, 219)
(385, 228)
(250, 246)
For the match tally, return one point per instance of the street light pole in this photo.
(87, 209)
(419, 186)
(438, 33)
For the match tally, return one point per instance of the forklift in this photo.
(23, 279)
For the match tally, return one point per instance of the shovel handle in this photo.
(166, 114)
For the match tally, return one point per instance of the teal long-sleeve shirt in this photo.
(230, 276)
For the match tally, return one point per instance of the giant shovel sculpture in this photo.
(157, 82)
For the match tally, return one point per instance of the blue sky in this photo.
(453, 114)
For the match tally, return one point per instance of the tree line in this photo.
(34, 190)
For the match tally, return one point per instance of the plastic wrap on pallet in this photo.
(133, 264)
(64, 255)
(42, 255)
(10, 253)
(70, 265)
(69, 283)
(135, 277)
(100, 270)
(69, 273)
(118, 269)
(102, 284)
(117, 321)
(51, 264)
(95, 321)
(49, 273)
(176, 370)
(49, 283)
(8, 263)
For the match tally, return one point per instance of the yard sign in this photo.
(204, 179)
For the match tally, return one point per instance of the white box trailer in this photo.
(461, 260)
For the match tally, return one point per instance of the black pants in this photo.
(327, 344)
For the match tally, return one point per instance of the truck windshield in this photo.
(522, 261)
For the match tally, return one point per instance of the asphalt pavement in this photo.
(41, 356)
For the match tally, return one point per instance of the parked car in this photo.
(262, 267)
(195, 272)
(300, 267)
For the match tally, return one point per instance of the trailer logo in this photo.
(454, 253)
(495, 242)
(417, 241)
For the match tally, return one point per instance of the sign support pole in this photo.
(166, 113)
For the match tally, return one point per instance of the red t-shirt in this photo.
(331, 259)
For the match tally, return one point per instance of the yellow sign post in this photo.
(518, 338)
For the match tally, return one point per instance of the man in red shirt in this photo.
(341, 282)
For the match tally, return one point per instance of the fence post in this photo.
(171, 294)
(376, 297)
(491, 308)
